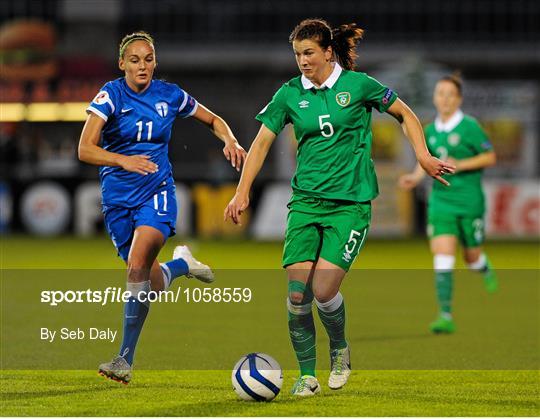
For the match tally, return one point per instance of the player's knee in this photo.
(135, 262)
(443, 263)
(297, 292)
(296, 297)
(325, 295)
(137, 268)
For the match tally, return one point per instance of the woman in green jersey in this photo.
(330, 106)
(455, 214)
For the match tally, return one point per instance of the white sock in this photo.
(480, 263)
(443, 263)
(298, 309)
(137, 288)
(166, 275)
(332, 304)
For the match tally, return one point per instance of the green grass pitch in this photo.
(488, 368)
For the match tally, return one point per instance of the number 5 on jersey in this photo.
(354, 244)
(327, 130)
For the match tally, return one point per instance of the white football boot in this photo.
(306, 385)
(196, 269)
(340, 360)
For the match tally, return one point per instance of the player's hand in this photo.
(408, 181)
(235, 153)
(453, 161)
(236, 207)
(140, 164)
(437, 168)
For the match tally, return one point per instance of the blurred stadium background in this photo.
(232, 56)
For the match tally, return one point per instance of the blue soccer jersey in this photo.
(138, 124)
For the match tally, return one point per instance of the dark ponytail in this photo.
(342, 39)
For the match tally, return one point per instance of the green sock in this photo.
(302, 333)
(334, 321)
(302, 328)
(443, 285)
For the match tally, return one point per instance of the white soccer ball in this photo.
(257, 377)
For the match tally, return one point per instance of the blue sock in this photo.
(173, 269)
(134, 316)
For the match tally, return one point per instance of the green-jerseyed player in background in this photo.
(455, 213)
(330, 107)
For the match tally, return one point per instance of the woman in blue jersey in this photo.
(127, 134)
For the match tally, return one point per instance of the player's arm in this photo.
(233, 151)
(254, 161)
(90, 152)
(415, 134)
(479, 161)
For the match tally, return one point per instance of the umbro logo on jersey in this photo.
(162, 108)
(303, 104)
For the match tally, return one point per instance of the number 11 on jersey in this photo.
(139, 132)
(156, 202)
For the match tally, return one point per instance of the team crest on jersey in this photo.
(454, 139)
(162, 108)
(304, 104)
(343, 98)
(101, 98)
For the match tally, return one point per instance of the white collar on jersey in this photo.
(449, 125)
(329, 82)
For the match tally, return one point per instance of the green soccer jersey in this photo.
(332, 125)
(461, 137)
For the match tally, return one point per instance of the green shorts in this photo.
(469, 230)
(333, 230)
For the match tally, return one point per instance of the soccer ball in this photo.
(257, 377)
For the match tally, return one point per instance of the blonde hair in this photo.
(135, 36)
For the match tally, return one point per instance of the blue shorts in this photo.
(159, 212)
